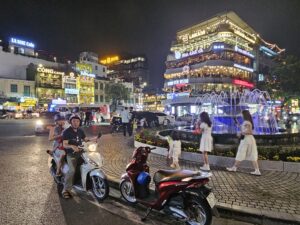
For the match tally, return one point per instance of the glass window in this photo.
(96, 98)
(96, 85)
(103, 69)
(26, 90)
(101, 98)
(101, 86)
(96, 67)
(14, 88)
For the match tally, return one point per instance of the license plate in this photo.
(212, 201)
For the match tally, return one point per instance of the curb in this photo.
(256, 216)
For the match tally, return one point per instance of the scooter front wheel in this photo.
(100, 187)
(127, 191)
(198, 211)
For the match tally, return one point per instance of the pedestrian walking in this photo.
(175, 150)
(206, 141)
(125, 116)
(247, 149)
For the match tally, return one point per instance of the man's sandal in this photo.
(66, 195)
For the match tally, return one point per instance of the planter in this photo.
(222, 161)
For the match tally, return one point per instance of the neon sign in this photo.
(51, 71)
(182, 81)
(243, 67)
(243, 83)
(216, 47)
(21, 42)
(71, 91)
(244, 52)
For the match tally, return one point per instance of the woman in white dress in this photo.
(206, 139)
(247, 149)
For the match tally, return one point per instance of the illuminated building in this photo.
(48, 84)
(70, 88)
(85, 83)
(222, 53)
(130, 69)
(92, 59)
(153, 102)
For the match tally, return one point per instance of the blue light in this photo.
(22, 42)
(267, 51)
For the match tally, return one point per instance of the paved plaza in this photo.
(274, 195)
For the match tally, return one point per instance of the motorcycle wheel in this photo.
(198, 211)
(127, 191)
(100, 188)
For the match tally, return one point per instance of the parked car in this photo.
(164, 119)
(151, 118)
(45, 120)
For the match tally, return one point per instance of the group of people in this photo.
(247, 149)
(67, 136)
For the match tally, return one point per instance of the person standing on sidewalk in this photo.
(206, 139)
(247, 149)
(125, 120)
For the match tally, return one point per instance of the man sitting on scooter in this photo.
(72, 138)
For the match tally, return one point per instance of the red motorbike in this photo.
(182, 194)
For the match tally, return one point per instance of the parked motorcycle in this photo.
(88, 175)
(182, 194)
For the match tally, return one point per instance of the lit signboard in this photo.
(217, 47)
(83, 73)
(244, 52)
(243, 83)
(59, 101)
(243, 67)
(179, 55)
(109, 60)
(87, 68)
(51, 71)
(71, 91)
(182, 81)
(22, 43)
(176, 95)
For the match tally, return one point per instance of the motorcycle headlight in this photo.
(92, 147)
(92, 162)
(39, 122)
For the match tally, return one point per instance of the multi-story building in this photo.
(17, 94)
(85, 83)
(48, 83)
(92, 59)
(70, 88)
(153, 102)
(219, 54)
(130, 69)
(100, 93)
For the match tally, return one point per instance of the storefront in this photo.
(48, 85)
(70, 88)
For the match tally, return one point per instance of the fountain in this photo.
(225, 107)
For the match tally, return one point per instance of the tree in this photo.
(288, 77)
(117, 92)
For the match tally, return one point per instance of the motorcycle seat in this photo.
(173, 175)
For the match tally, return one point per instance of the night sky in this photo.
(68, 27)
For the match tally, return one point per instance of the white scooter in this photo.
(88, 175)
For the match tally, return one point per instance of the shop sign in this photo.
(176, 95)
(59, 101)
(244, 52)
(84, 67)
(109, 60)
(70, 79)
(71, 91)
(243, 83)
(182, 81)
(22, 42)
(243, 67)
(83, 73)
(179, 55)
(51, 71)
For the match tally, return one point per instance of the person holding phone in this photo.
(247, 149)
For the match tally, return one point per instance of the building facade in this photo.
(219, 54)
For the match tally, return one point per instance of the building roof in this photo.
(224, 15)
